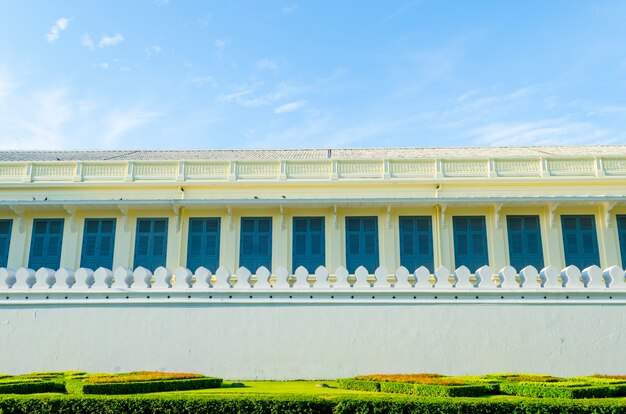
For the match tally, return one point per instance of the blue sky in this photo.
(294, 73)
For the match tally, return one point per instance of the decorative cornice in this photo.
(307, 170)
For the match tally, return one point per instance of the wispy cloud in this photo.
(542, 132)
(396, 13)
(38, 120)
(5, 86)
(267, 64)
(199, 81)
(246, 95)
(120, 123)
(221, 43)
(56, 29)
(289, 107)
(152, 50)
(87, 41)
(289, 9)
(205, 20)
(106, 40)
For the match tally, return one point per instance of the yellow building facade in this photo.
(555, 193)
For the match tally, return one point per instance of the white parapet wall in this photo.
(281, 326)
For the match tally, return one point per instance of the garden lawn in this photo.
(307, 388)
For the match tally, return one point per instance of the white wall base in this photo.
(315, 341)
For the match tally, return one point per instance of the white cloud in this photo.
(152, 50)
(103, 65)
(5, 87)
(106, 41)
(119, 123)
(543, 132)
(244, 95)
(56, 29)
(221, 43)
(267, 64)
(87, 41)
(37, 121)
(289, 9)
(289, 107)
(203, 81)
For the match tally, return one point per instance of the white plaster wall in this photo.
(316, 341)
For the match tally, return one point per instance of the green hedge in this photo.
(564, 391)
(370, 405)
(435, 390)
(425, 390)
(227, 404)
(141, 387)
(359, 385)
(98, 404)
(31, 387)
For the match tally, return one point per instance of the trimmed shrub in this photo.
(557, 390)
(141, 376)
(358, 384)
(30, 387)
(398, 405)
(141, 387)
(97, 404)
(426, 390)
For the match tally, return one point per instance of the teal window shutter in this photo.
(98, 243)
(45, 244)
(362, 243)
(255, 247)
(309, 246)
(580, 242)
(416, 242)
(525, 247)
(5, 241)
(621, 229)
(203, 247)
(470, 242)
(151, 243)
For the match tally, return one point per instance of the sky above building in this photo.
(121, 74)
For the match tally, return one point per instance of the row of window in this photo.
(309, 250)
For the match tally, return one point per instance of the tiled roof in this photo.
(316, 154)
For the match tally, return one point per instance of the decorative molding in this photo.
(496, 209)
(517, 168)
(335, 222)
(389, 216)
(572, 167)
(229, 212)
(282, 217)
(465, 168)
(606, 209)
(442, 209)
(286, 170)
(19, 212)
(177, 216)
(551, 212)
(124, 211)
(71, 212)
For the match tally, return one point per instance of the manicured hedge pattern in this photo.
(564, 391)
(358, 385)
(425, 390)
(31, 387)
(92, 404)
(141, 387)
(300, 405)
(428, 390)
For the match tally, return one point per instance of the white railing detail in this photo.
(569, 283)
(348, 169)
